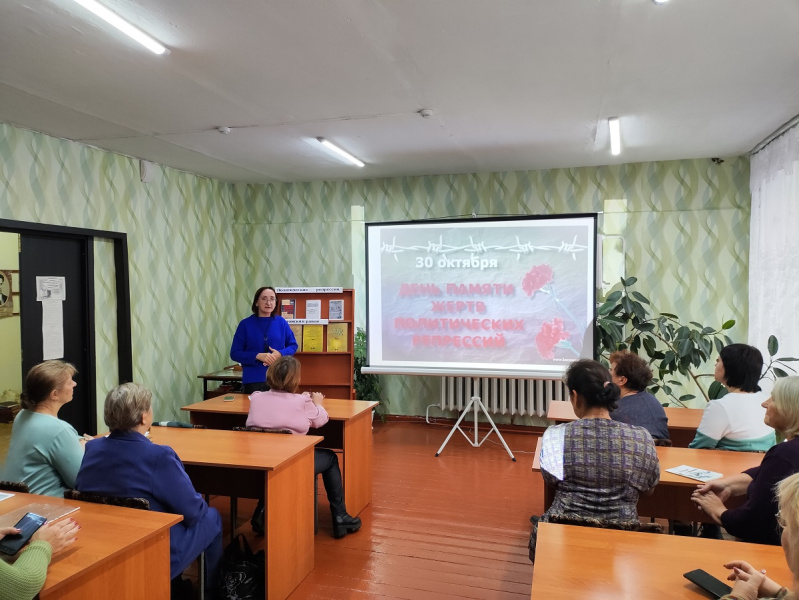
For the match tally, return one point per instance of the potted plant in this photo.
(627, 320)
(367, 385)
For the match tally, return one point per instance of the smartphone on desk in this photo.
(28, 525)
(708, 583)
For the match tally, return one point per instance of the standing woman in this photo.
(45, 452)
(260, 340)
(735, 422)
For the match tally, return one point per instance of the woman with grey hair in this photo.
(127, 464)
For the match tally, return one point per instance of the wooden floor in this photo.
(455, 526)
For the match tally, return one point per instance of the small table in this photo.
(603, 564)
(671, 498)
(349, 428)
(227, 375)
(120, 552)
(278, 468)
(683, 422)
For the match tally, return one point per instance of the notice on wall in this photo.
(51, 292)
(51, 288)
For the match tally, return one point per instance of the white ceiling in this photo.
(513, 84)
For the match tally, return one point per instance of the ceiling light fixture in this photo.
(659, 2)
(121, 24)
(615, 136)
(342, 153)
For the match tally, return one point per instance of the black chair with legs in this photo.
(139, 504)
(316, 481)
(234, 500)
(15, 486)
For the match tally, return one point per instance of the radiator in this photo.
(503, 396)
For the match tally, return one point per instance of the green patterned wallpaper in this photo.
(199, 248)
(180, 252)
(685, 225)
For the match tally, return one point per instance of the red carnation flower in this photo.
(548, 336)
(536, 278)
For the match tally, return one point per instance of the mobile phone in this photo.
(708, 583)
(11, 544)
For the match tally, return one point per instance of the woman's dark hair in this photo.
(592, 383)
(258, 292)
(633, 367)
(743, 365)
(284, 374)
(42, 379)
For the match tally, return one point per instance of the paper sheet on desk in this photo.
(695, 473)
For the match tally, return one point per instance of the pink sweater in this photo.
(284, 410)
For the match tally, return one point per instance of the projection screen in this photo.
(502, 297)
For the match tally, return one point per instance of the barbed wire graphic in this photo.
(519, 248)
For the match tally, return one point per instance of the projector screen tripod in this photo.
(476, 405)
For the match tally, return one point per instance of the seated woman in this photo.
(283, 408)
(24, 579)
(637, 406)
(598, 466)
(751, 583)
(735, 421)
(126, 464)
(755, 521)
(45, 452)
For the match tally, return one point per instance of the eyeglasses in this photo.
(269, 300)
(780, 520)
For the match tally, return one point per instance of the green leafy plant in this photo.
(367, 385)
(627, 320)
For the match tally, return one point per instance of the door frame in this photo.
(120, 240)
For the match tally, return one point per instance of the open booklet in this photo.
(695, 473)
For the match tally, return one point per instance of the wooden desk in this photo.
(581, 562)
(683, 422)
(251, 465)
(672, 496)
(349, 428)
(120, 552)
(225, 375)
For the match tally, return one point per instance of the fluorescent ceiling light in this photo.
(121, 24)
(660, 1)
(615, 136)
(342, 153)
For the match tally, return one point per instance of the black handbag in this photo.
(243, 572)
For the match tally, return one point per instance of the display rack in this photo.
(331, 373)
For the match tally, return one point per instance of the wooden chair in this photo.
(15, 486)
(315, 483)
(137, 503)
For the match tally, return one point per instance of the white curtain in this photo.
(774, 245)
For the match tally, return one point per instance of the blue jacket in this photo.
(255, 335)
(129, 465)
